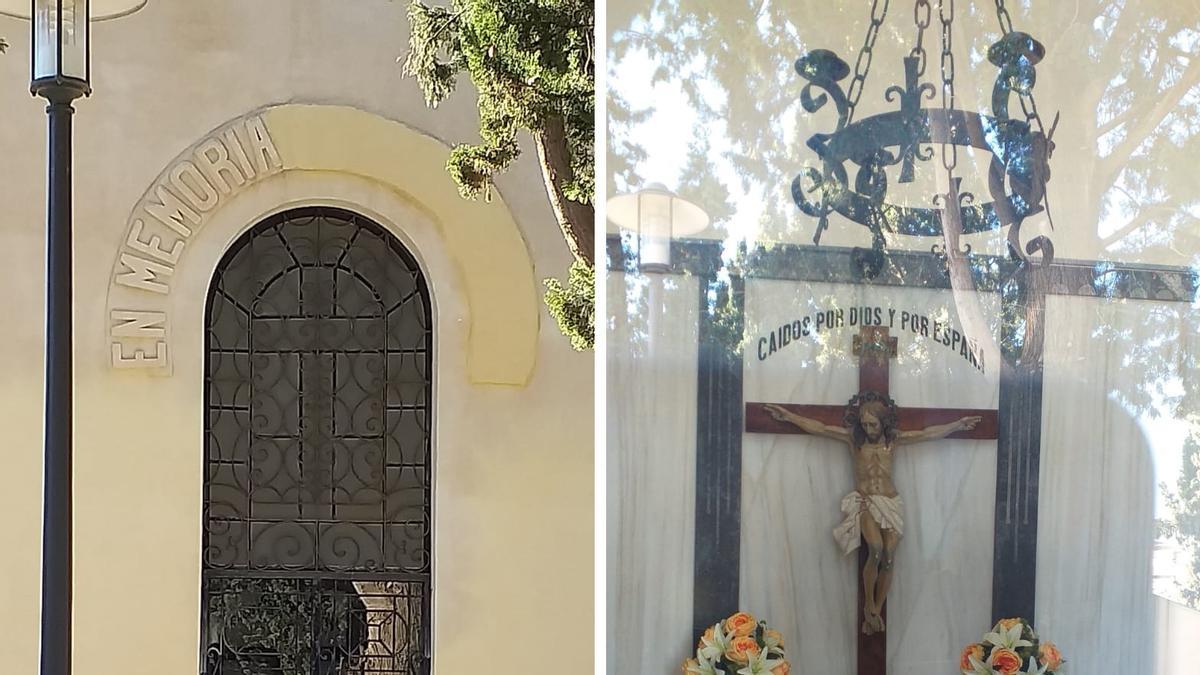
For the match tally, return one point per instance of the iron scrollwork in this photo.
(319, 380)
(315, 627)
(1017, 176)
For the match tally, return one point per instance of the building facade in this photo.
(217, 130)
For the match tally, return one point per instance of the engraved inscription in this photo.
(139, 324)
(168, 216)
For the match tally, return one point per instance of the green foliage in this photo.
(269, 625)
(698, 183)
(574, 306)
(1183, 523)
(532, 63)
(530, 60)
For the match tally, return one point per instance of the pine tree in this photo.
(1183, 523)
(532, 64)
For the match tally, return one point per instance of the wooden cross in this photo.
(875, 348)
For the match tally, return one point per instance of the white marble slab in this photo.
(652, 363)
(792, 572)
(1178, 628)
(1097, 491)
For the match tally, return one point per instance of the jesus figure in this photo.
(873, 510)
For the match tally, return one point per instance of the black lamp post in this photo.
(61, 74)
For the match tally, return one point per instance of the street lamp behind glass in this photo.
(657, 216)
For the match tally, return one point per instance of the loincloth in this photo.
(888, 513)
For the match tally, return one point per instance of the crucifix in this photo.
(873, 426)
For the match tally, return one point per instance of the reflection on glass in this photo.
(1087, 322)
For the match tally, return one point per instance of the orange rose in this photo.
(1049, 656)
(688, 664)
(1006, 661)
(741, 624)
(741, 649)
(964, 662)
(1007, 624)
(708, 638)
(775, 636)
(781, 669)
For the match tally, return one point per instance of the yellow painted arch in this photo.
(489, 252)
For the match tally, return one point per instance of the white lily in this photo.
(704, 666)
(978, 668)
(1033, 668)
(713, 649)
(1009, 639)
(760, 664)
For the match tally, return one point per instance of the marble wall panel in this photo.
(1104, 361)
(1177, 628)
(652, 360)
(792, 572)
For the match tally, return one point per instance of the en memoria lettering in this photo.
(165, 220)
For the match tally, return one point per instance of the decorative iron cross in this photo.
(875, 348)
(914, 123)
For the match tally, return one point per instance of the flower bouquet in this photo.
(738, 645)
(1012, 648)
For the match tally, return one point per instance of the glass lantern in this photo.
(61, 56)
(657, 216)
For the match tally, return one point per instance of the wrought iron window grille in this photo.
(317, 486)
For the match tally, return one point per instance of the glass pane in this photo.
(74, 38)
(45, 36)
(934, 363)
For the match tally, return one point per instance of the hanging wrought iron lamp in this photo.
(1020, 145)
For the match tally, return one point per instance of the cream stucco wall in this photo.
(513, 492)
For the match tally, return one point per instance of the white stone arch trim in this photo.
(175, 217)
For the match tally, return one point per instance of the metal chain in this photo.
(1006, 25)
(862, 66)
(922, 20)
(1029, 107)
(946, 16)
(1028, 104)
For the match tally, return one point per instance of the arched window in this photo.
(317, 487)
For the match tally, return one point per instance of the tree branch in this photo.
(1115, 162)
(1141, 220)
(576, 220)
(1129, 228)
(1117, 121)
